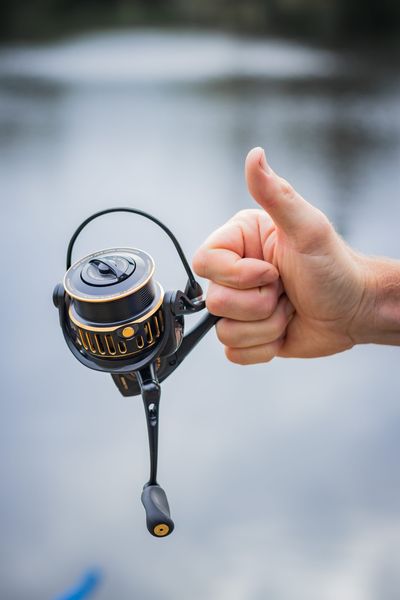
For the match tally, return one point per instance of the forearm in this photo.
(379, 315)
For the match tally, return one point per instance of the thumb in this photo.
(306, 226)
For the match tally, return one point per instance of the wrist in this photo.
(378, 318)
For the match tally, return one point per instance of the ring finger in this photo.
(244, 334)
(243, 305)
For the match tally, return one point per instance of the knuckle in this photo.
(274, 348)
(226, 333)
(247, 217)
(323, 225)
(320, 229)
(268, 354)
(278, 325)
(236, 278)
(199, 262)
(266, 304)
(264, 354)
(215, 300)
(286, 189)
(235, 356)
(243, 214)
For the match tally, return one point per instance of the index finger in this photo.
(221, 259)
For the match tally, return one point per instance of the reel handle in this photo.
(158, 520)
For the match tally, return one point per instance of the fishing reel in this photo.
(116, 318)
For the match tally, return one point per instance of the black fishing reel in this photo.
(116, 318)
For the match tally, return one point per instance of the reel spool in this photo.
(116, 318)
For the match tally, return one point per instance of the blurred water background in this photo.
(162, 120)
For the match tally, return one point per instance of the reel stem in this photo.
(151, 393)
(154, 499)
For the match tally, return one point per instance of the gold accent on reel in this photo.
(161, 530)
(108, 344)
(128, 332)
(159, 324)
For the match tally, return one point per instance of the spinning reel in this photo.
(117, 319)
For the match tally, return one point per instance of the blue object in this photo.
(85, 588)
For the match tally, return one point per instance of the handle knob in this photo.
(156, 505)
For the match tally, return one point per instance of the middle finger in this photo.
(243, 305)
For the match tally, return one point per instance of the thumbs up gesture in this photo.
(283, 280)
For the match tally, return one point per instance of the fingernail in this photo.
(263, 163)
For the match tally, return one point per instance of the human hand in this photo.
(283, 279)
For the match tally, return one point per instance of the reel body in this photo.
(116, 318)
(116, 311)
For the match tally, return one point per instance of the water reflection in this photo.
(163, 121)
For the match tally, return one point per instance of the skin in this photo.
(286, 284)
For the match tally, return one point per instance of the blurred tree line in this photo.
(327, 20)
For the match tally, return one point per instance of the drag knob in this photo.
(156, 506)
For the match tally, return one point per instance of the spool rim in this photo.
(117, 296)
